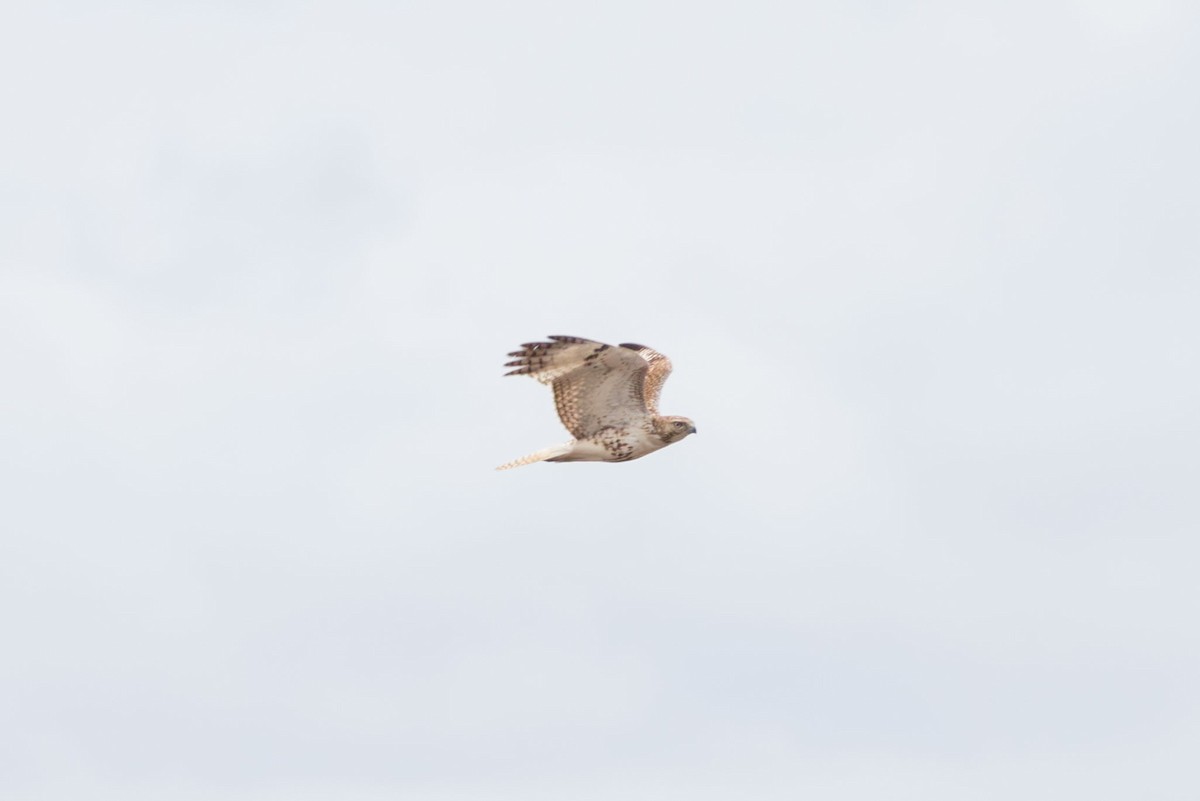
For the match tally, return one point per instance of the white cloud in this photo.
(925, 274)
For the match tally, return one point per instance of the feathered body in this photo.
(606, 396)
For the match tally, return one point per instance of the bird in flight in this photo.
(606, 396)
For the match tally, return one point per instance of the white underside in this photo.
(584, 450)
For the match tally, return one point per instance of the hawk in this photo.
(606, 396)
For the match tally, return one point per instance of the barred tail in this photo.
(544, 454)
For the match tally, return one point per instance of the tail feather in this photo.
(544, 454)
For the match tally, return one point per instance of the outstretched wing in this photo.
(595, 385)
(656, 374)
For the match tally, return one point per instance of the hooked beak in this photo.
(693, 429)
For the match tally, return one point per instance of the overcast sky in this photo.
(929, 274)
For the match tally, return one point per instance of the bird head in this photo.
(673, 428)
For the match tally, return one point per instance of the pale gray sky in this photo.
(929, 276)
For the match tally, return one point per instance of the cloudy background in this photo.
(929, 276)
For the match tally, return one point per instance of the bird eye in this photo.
(679, 424)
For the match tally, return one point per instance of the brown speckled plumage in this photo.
(606, 397)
